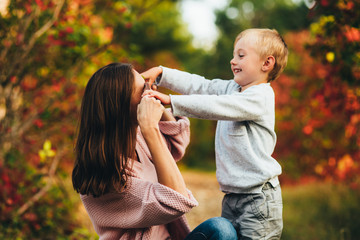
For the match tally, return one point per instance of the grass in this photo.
(315, 211)
(321, 211)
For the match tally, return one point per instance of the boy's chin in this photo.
(238, 81)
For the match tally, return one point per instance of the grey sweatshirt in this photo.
(245, 138)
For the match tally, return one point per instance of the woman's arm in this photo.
(149, 113)
(167, 116)
(143, 204)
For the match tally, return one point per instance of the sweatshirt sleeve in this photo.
(216, 99)
(142, 205)
(186, 83)
(250, 105)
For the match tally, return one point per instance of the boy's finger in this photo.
(154, 86)
(148, 79)
(147, 92)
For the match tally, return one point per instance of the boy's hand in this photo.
(165, 99)
(151, 74)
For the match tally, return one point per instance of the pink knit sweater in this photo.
(147, 209)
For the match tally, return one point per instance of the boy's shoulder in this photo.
(263, 87)
(262, 92)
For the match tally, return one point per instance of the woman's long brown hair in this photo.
(106, 132)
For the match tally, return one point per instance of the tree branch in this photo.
(43, 191)
(34, 37)
(44, 28)
(144, 8)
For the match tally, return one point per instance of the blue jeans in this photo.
(217, 228)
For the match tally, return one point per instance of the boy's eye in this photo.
(241, 55)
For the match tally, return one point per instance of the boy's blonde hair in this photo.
(269, 42)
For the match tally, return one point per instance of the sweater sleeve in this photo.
(177, 135)
(143, 204)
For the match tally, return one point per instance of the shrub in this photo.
(321, 211)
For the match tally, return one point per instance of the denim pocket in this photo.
(267, 205)
(274, 199)
(259, 206)
(274, 221)
(260, 214)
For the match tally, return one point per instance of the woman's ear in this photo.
(269, 64)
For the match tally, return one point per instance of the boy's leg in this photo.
(216, 228)
(255, 216)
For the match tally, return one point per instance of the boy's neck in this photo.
(243, 88)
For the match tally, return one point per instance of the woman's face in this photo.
(138, 89)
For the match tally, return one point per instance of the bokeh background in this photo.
(50, 48)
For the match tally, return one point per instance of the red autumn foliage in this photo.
(318, 106)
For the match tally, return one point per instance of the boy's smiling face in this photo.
(246, 63)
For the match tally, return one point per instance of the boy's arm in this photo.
(249, 105)
(216, 99)
(185, 83)
(246, 106)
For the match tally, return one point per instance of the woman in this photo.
(125, 169)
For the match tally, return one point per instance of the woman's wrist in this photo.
(149, 131)
(167, 116)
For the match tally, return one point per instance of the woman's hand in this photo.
(149, 112)
(165, 99)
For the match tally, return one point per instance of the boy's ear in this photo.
(269, 64)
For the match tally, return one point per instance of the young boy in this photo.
(245, 136)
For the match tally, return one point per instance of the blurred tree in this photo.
(283, 15)
(318, 102)
(337, 36)
(49, 49)
(336, 105)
